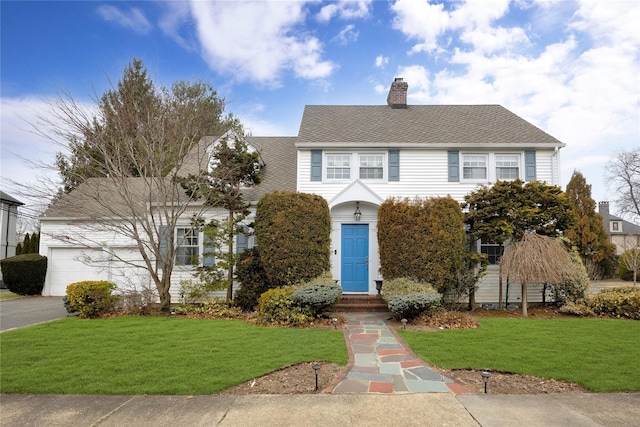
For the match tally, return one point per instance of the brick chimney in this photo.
(397, 97)
(603, 209)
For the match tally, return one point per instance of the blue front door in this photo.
(355, 258)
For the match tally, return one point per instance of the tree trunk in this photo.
(165, 296)
(524, 298)
(230, 255)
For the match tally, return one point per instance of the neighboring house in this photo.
(8, 218)
(624, 234)
(358, 156)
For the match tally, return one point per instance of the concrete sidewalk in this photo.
(406, 410)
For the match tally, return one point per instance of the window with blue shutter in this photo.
(394, 165)
(316, 165)
(454, 166)
(208, 251)
(242, 240)
(163, 237)
(530, 165)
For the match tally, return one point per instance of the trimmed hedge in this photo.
(293, 231)
(424, 239)
(24, 274)
(92, 298)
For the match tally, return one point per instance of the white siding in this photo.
(423, 173)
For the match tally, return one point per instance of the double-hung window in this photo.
(371, 166)
(507, 166)
(491, 250)
(187, 246)
(338, 166)
(474, 166)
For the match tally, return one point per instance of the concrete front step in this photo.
(360, 304)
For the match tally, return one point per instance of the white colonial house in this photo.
(358, 156)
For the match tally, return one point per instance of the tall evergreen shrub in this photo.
(293, 232)
(423, 239)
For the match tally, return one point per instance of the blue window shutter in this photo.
(208, 252)
(529, 165)
(394, 165)
(163, 237)
(454, 166)
(316, 165)
(242, 242)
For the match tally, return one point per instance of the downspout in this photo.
(555, 169)
(6, 234)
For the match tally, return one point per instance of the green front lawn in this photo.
(154, 355)
(602, 355)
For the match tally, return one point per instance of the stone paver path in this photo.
(380, 362)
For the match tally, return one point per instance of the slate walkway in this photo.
(380, 361)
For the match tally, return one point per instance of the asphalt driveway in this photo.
(16, 313)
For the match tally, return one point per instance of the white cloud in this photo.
(132, 19)
(172, 22)
(576, 78)
(258, 40)
(344, 9)
(381, 61)
(347, 35)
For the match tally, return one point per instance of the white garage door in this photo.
(65, 266)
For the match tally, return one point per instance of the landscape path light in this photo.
(404, 324)
(316, 369)
(485, 379)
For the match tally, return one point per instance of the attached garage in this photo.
(65, 266)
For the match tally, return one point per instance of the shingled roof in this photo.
(457, 125)
(101, 197)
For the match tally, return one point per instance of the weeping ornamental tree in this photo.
(537, 259)
(507, 210)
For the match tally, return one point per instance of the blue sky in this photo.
(570, 67)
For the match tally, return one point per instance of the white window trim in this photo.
(178, 245)
(355, 166)
(492, 168)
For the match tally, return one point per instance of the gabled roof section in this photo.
(6, 198)
(356, 191)
(450, 125)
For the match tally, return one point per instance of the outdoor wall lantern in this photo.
(357, 214)
(316, 369)
(404, 324)
(485, 379)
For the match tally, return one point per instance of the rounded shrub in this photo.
(24, 274)
(317, 296)
(277, 306)
(409, 298)
(92, 298)
(413, 305)
(627, 262)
